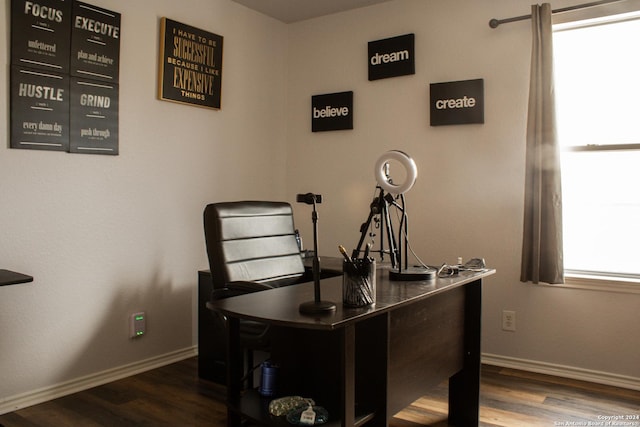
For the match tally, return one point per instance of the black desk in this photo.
(365, 364)
(211, 345)
(8, 277)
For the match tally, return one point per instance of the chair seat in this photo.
(254, 335)
(251, 246)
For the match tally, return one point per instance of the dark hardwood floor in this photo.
(174, 396)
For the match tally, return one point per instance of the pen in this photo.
(343, 251)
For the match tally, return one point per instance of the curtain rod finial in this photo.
(494, 23)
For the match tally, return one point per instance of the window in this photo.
(597, 79)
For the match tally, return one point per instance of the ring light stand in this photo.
(381, 171)
(380, 206)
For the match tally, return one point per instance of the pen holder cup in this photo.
(359, 282)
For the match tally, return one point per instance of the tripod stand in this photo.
(380, 207)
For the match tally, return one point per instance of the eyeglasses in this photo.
(474, 264)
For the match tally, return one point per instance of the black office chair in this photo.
(251, 247)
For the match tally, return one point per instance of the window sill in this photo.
(599, 283)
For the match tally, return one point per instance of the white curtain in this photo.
(542, 257)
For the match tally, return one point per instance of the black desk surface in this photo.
(283, 303)
(12, 278)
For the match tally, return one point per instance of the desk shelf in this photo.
(255, 408)
(319, 354)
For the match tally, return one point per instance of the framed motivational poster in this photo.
(190, 65)
(65, 58)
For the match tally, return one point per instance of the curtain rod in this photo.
(495, 22)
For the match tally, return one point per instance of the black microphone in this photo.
(309, 198)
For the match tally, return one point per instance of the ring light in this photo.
(385, 182)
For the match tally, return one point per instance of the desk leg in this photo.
(464, 386)
(234, 372)
(347, 387)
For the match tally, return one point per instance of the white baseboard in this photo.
(598, 377)
(13, 403)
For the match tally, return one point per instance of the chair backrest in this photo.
(252, 241)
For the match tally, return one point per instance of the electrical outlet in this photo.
(508, 320)
(137, 324)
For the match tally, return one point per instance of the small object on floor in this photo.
(284, 405)
(308, 416)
